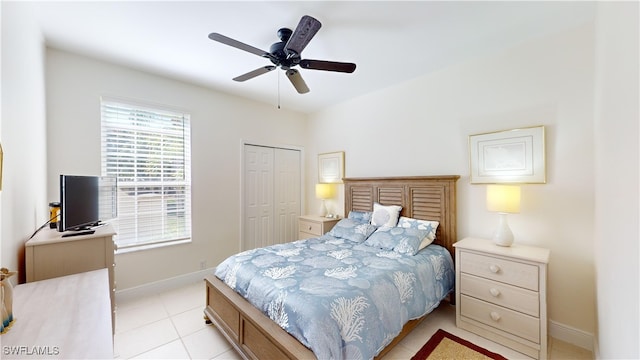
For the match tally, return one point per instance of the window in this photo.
(148, 149)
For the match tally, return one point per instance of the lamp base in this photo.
(323, 209)
(503, 235)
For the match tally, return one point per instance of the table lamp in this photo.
(503, 199)
(324, 192)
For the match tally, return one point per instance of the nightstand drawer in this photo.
(310, 227)
(506, 271)
(513, 322)
(304, 235)
(515, 298)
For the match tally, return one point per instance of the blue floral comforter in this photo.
(342, 299)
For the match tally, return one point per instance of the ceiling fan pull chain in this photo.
(278, 90)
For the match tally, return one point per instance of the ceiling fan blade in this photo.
(328, 65)
(306, 30)
(254, 73)
(238, 45)
(297, 81)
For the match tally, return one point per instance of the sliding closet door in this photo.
(258, 197)
(272, 198)
(286, 195)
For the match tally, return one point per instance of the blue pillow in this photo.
(352, 230)
(401, 240)
(360, 216)
(382, 239)
(427, 225)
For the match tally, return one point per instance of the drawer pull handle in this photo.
(495, 292)
(494, 268)
(495, 316)
(309, 227)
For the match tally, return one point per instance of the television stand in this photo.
(78, 233)
(85, 227)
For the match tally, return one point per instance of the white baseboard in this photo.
(571, 335)
(160, 286)
(596, 349)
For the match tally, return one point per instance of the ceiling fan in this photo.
(286, 54)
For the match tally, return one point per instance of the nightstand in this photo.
(501, 294)
(310, 226)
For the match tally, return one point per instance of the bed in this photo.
(254, 335)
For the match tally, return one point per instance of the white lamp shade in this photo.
(503, 198)
(325, 191)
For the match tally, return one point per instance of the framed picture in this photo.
(509, 156)
(331, 167)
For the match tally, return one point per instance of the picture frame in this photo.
(331, 167)
(510, 156)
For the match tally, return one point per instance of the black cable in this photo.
(42, 227)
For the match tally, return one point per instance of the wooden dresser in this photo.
(501, 294)
(311, 226)
(49, 255)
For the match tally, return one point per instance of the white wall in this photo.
(421, 127)
(219, 123)
(617, 181)
(23, 200)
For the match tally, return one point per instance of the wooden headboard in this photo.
(421, 197)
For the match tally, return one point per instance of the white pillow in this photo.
(385, 215)
(425, 242)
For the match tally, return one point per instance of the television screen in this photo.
(85, 201)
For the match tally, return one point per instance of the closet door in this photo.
(286, 195)
(272, 198)
(258, 197)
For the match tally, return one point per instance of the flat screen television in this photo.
(86, 201)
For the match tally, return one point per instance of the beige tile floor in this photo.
(170, 325)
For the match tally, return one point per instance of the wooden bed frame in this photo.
(255, 336)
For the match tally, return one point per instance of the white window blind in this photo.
(149, 151)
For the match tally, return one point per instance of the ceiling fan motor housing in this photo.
(281, 56)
